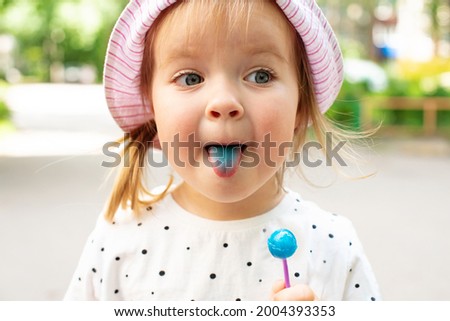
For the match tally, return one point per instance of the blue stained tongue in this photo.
(225, 158)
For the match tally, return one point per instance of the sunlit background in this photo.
(54, 122)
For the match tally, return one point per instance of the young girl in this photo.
(225, 89)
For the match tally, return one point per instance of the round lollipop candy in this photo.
(282, 244)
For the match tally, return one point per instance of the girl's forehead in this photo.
(201, 25)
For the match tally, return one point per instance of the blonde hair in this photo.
(129, 190)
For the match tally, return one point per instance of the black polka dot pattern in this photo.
(315, 236)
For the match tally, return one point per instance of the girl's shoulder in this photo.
(127, 216)
(310, 210)
(318, 223)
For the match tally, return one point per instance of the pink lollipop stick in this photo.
(286, 274)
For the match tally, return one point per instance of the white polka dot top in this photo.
(171, 254)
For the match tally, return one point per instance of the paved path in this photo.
(50, 197)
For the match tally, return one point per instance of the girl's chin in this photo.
(227, 190)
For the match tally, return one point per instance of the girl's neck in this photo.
(263, 200)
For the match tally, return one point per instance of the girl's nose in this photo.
(224, 106)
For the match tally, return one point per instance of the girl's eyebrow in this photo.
(266, 49)
(178, 53)
(194, 52)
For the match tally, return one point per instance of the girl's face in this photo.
(235, 88)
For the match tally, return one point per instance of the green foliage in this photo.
(71, 32)
(414, 87)
(410, 118)
(402, 88)
(346, 109)
(443, 118)
(426, 87)
(5, 113)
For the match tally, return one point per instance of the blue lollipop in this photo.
(282, 244)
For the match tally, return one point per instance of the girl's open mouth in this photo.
(224, 159)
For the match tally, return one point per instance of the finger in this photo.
(277, 287)
(299, 292)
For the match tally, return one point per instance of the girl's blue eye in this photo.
(260, 76)
(189, 79)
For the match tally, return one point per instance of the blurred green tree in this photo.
(67, 32)
(439, 28)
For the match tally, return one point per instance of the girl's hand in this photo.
(299, 292)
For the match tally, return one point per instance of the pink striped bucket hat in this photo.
(126, 46)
